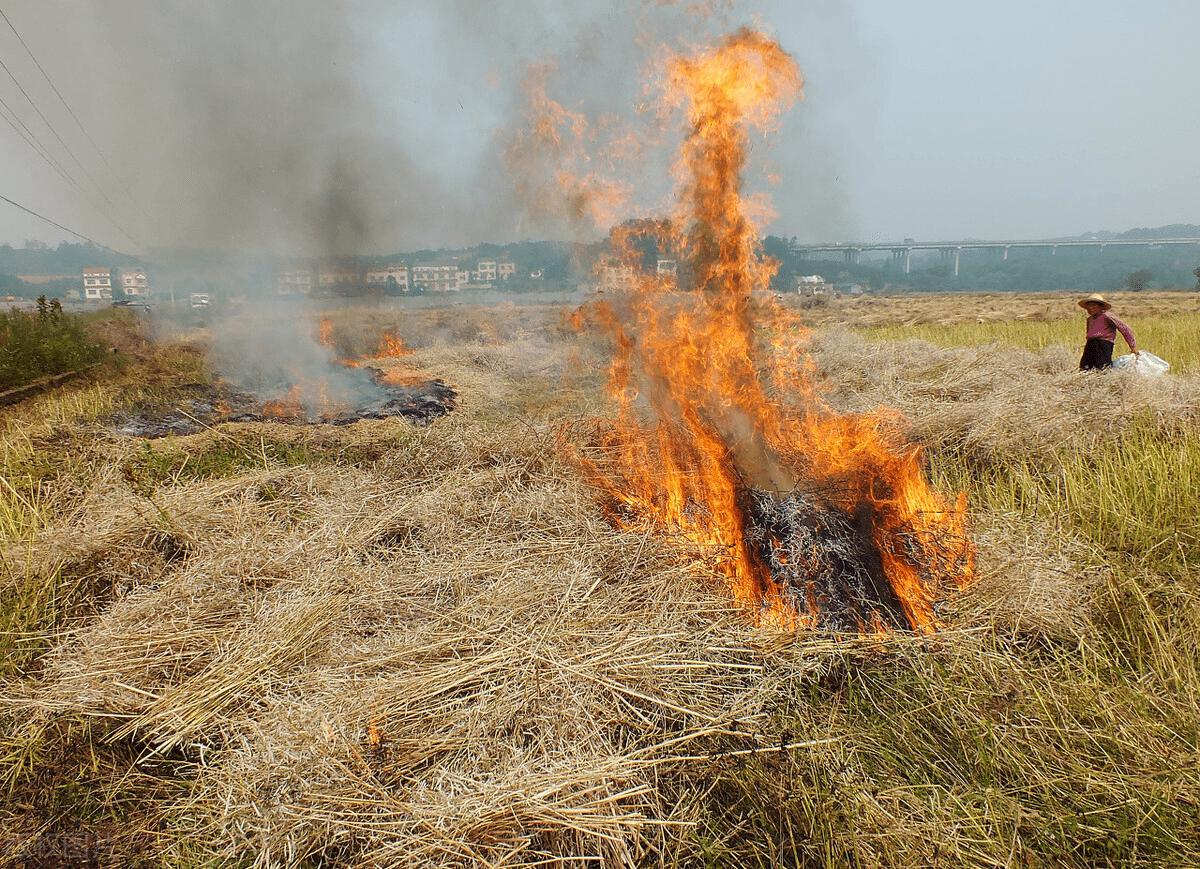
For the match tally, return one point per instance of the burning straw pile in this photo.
(815, 517)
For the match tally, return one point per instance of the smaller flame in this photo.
(287, 406)
(374, 735)
(325, 332)
(392, 346)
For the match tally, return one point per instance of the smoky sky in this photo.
(351, 126)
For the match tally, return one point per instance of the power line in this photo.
(45, 120)
(35, 143)
(58, 225)
(50, 127)
(61, 98)
(42, 151)
(67, 148)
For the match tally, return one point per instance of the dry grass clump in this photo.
(454, 659)
(947, 309)
(999, 402)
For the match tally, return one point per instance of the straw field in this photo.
(382, 644)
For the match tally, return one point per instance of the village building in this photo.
(134, 284)
(393, 276)
(667, 267)
(486, 272)
(812, 285)
(294, 282)
(97, 283)
(438, 278)
(340, 278)
(616, 276)
(505, 269)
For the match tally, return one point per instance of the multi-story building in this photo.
(134, 284)
(616, 276)
(812, 285)
(438, 278)
(485, 272)
(97, 283)
(384, 277)
(334, 277)
(506, 269)
(294, 282)
(667, 267)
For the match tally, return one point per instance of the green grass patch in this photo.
(45, 342)
(1171, 337)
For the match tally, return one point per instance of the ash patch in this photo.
(824, 559)
(203, 406)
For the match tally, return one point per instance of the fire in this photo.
(287, 406)
(699, 423)
(325, 332)
(302, 401)
(391, 346)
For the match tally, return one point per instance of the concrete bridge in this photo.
(902, 250)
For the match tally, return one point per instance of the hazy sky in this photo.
(263, 122)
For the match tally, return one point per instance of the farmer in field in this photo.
(1102, 329)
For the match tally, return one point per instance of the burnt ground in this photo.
(824, 558)
(201, 405)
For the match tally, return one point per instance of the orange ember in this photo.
(288, 406)
(308, 399)
(325, 332)
(402, 377)
(391, 346)
(700, 424)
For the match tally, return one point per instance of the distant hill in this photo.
(1173, 230)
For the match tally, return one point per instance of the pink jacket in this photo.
(1105, 325)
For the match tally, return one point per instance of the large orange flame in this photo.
(708, 408)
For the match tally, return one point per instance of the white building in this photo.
(339, 277)
(506, 269)
(615, 276)
(294, 282)
(438, 278)
(383, 277)
(134, 284)
(485, 273)
(667, 267)
(811, 285)
(97, 283)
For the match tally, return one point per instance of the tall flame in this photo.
(700, 421)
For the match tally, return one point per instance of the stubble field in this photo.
(383, 644)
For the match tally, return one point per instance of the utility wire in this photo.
(38, 149)
(45, 120)
(61, 98)
(42, 151)
(33, 142)
(50, 127)
(108, 216)
(58, 225)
